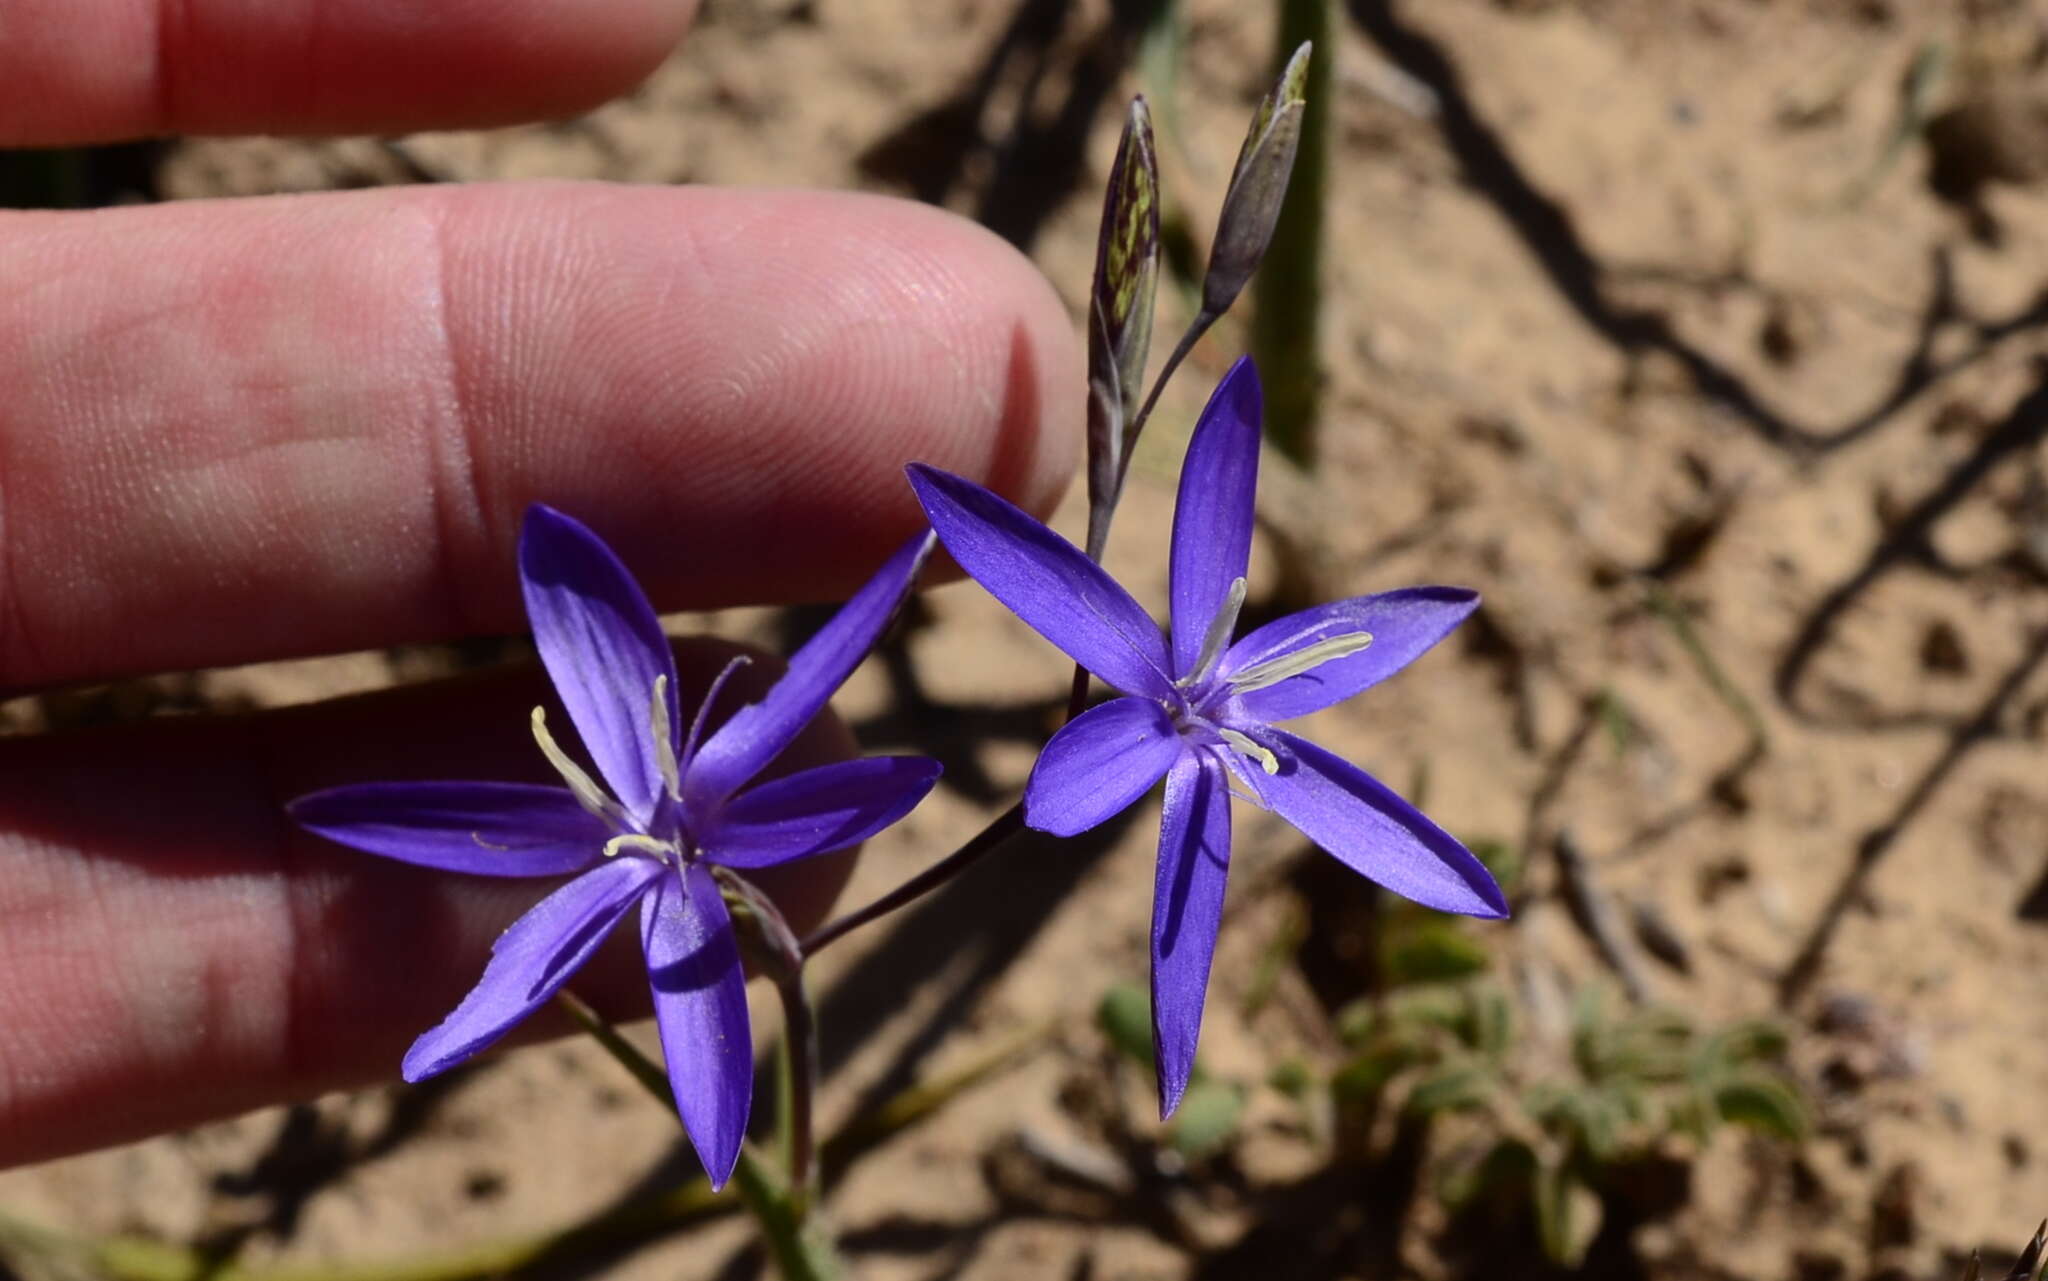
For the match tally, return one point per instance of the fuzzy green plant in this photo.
(1547, 1136)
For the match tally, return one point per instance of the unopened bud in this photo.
(1120, 304)
(1258, 186)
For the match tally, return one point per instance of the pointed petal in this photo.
(1046, 581)
(1212, 519)
(1402, 624)
(700, 1005)
(1377, 834)
(1187, 908)
(816, 811)
(757, 733)
(491, 829)
(1098, 764)
(603, 649)
(531, 960)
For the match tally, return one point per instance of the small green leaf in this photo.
(1207, 1118)
(1567, 1215)
(1434, 949)
(1125, 1017)
(1509, 1166)
(1429, 1005)
(1493, 1021)
(1291, 1077)
(1365, 1074)
(1454, 1088)
(1764, 1102)
(1748, 1041)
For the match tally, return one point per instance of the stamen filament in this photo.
(1220, 628)
(664, 740)
(704, 708)
(588, 794)
(1308, 657)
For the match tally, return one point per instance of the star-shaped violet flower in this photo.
(672, 805)
(1199, 711)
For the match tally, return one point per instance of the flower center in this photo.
(669, 840)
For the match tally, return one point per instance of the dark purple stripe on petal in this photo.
(604, 650)
(531, 961)
(490, 829)
(1403, 624)
(758, 732)
(1047, 582)
(817, 811)
(1098, 764)
(1212, 521)
(700, 1005)
(1358, 819)
(1187, 908)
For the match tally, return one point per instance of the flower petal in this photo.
(603, 648)
(818, 810)
(491, 829)
(1212, 519)
(1187, 908)
(1100, 762)
(1402, 624)
(757, 733)
(1377, 834)
(1047, 582)
(700, 1005)
(531, 960)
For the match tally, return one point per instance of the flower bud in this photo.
(1258, 185)
(1120, 306)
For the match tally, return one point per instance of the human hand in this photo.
(245, 430)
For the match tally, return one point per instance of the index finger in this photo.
(255, 429)
(91, 70)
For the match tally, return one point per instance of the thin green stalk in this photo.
(801, 1250)
(1674, 616)
(1287, 307)
(1000, 829)
(784, 959)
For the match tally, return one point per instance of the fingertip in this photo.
(318, 66)
(756, 352)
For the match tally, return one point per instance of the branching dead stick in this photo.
(1592, 913)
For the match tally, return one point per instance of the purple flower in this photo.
(676, 802)
(1198, 710)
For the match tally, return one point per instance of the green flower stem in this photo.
(784, 958)
(802, 1252)
(999, 830)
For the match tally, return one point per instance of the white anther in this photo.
(635, 841)
(1244, 745)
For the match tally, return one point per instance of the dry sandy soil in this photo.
(1623, 310)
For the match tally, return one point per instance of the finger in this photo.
(92, 70)
(175, 950)
(246, 430)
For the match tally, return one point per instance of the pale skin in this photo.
(235, 431)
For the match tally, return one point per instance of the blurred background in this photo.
(1707, 338)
